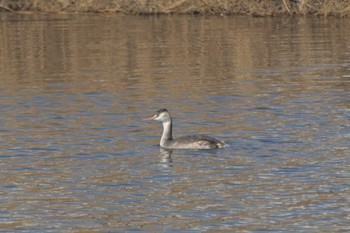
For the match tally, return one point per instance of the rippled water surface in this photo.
(75, 155)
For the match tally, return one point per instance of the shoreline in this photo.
(325, 8)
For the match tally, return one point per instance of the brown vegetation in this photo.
(205, 7)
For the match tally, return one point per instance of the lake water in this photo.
(75, 155)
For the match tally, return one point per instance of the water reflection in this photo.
(74, 153)
(235, 55)
(165, 156)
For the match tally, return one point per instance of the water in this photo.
(75, 155)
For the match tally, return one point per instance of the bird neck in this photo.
(167, 131)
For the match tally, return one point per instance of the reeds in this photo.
(204, 7)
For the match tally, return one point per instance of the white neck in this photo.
(167, 132)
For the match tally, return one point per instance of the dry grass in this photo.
(205, 7)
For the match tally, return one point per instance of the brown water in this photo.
(75, 155)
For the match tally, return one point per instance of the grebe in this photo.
(185, 142)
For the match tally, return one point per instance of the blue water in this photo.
(75, 154)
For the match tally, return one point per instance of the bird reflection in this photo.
(165, 156)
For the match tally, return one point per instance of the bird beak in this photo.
(150, 118)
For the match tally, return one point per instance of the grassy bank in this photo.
(339, 8)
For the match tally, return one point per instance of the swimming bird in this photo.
(197, 141)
